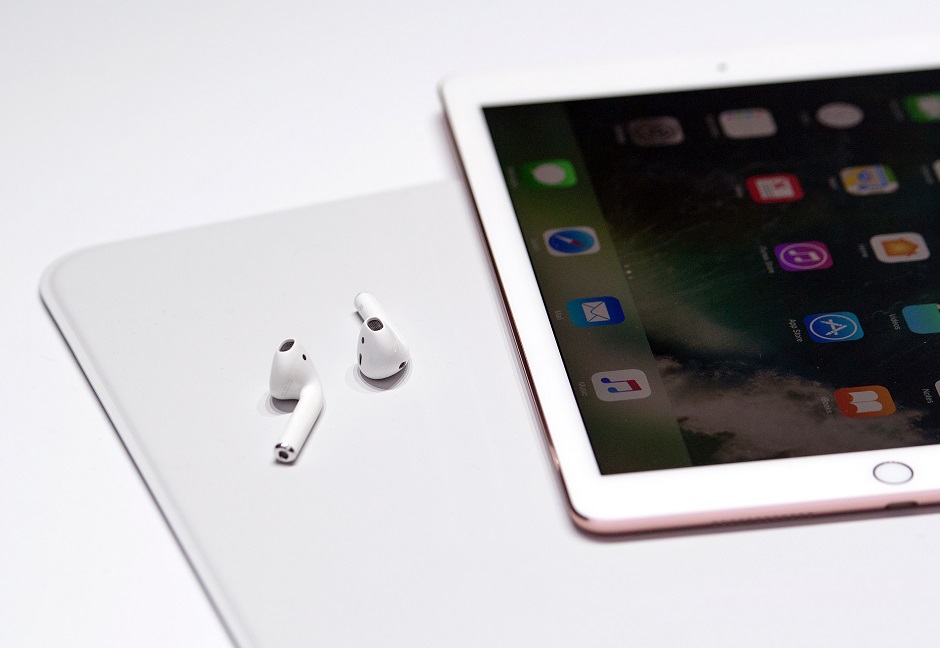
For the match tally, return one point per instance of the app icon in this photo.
(900, 247)
(781, 187)
(840, 114)
(747, 123)
(840, 326)
(864, 402)
(568, 241)
(655, 131)
(549, 174)
(806, 255)
(626, 384)
(871, 179)
(922, 318)
(596, 311)
(923, 107)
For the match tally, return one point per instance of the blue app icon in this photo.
(840, 326)
(922, 318)
(595, 311)
(568, 241)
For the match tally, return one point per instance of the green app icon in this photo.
(922, 318)
(549, 173)
(923, 107)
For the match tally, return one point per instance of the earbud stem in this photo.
(305, 414)
(368, 306)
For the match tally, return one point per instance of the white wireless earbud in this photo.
(293, 377)
(382, 352)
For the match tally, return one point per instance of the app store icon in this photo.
(840, 326)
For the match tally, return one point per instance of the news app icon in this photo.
(595, 311)
(625, 384)
(900, 247)
(802, 256)
(747, 123)
(840, 326)
(868, 180)
(781, 187)
(655, 131)
(864, 402)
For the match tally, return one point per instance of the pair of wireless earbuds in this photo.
(382, 353)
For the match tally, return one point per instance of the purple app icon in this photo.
(805, 255)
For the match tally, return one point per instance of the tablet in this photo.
(723, 277)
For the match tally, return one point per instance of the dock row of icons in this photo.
(834, 326)
(854, 402)
(797, 256)
(864, 180)
(895, 247)
(860, 180)
(752, 123)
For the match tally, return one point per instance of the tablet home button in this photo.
(893, 472)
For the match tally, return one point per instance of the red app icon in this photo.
(780, 187)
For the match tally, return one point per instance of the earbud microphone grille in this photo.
(375, 324)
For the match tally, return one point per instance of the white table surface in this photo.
(121, 119)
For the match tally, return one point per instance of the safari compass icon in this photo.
(840, 326)
(570, 241)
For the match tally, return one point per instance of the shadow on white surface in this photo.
(270, 406)
(360, 383)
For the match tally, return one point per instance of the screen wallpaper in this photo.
(739, 274)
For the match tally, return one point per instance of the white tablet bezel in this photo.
(683, 496)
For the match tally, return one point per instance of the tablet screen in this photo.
(738, 274)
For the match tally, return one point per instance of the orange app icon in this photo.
(900, 247)
(863, 402)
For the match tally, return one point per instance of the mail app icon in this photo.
(595, 311)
